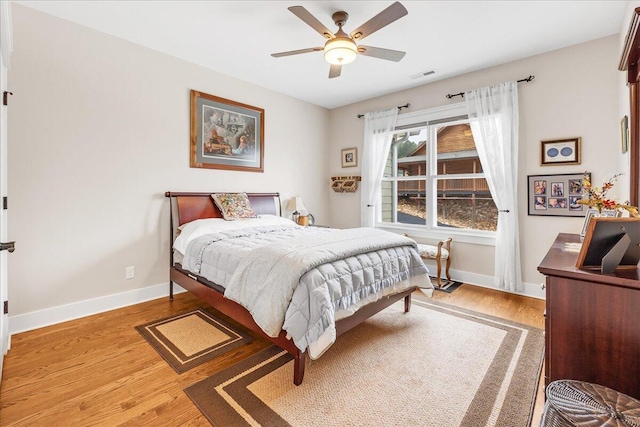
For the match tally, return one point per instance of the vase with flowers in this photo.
(596, 198)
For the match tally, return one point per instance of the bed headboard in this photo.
(186, 207)
(191, 206)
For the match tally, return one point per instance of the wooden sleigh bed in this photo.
(186, 207)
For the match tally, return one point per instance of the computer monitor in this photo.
(610, 243)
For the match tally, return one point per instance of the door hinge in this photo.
(5, 203)
(6, 307)
(5, 100)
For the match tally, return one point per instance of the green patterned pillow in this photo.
(234, 206)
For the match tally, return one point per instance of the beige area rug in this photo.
(190, 339)
(437, 365)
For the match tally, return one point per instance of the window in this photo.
(434, 180)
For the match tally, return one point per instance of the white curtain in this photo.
(378, 133)
(493, 114)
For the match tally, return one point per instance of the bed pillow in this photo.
(234, 206)
(200, 227)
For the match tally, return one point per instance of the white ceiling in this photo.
(450, 37)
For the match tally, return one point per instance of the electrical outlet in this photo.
(129, 272)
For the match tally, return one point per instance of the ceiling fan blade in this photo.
(297, 52)
(378, 52)
(312, 21)
(384, 18)
(335, 71)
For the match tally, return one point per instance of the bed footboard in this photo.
(241, 315)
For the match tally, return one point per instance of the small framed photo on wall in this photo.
(349, 157)
(560, 152)
(624, 134)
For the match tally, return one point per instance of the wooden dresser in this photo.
(592, 327)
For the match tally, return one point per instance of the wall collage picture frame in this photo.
(556, 195)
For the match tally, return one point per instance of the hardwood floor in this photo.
(98, 371)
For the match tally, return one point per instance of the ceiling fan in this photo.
(341, 48)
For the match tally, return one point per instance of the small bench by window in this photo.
(441, 253)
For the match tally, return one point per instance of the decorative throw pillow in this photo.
(234, 206)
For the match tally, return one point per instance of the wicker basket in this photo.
(578, 403)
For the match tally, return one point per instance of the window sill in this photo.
(485, 238)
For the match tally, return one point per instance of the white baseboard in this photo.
(530, 289)
(51, 316)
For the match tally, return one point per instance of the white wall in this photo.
(575, 93)
(98, 131)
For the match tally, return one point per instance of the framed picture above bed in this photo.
(226, 134)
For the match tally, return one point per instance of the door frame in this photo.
(629, 63)
(6, 47)
(4, 317)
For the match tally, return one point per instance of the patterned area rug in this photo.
(190, 339)
(394, 369)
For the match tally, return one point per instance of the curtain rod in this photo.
(400, 107)
(528, 79)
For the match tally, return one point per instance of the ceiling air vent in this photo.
(422, 74)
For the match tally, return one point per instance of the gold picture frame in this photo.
(226, 134)
(560, 152)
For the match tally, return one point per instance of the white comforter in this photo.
(304, 287)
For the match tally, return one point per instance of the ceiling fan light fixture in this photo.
(340, 51)
(341, 47)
